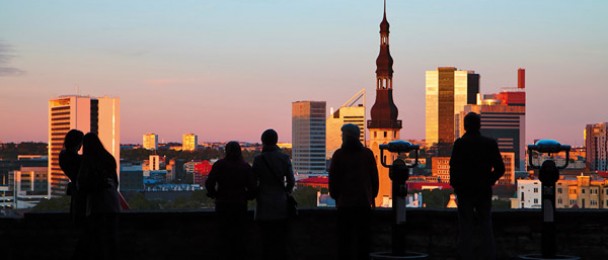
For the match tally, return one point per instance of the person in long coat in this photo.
(353, 183)
(475, 166)
(69, 162)
(231, 184)
(274, 175)
(98, 181)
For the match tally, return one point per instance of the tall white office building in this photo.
(87, 114)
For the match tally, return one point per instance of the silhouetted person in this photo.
(274, 175)
(231, 184)
(98, 181)
(69, 161)
(353, 183)
(475, 166)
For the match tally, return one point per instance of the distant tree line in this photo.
(140, 154)
(10, 151)
(306, 197)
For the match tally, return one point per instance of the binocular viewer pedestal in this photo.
(548, 176)
(399, 172)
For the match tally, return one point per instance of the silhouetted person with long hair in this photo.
(353, 183)
(70, 161)
(231, 184)
(475, 165)
(98, 180)
(274, 175)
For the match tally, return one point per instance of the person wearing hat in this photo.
(353, 183)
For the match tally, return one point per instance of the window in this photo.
(559, 190)
(384, 134)
(535, 190)
(559, 201)
(535, 201)
(583, 191)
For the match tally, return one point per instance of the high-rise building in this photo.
(189, 142)
(383, 126)
(448, 90)
(351, 112)
(308, 137)
(506, 124)
(150, 141)
(503, 117)
(596, 144)
(87, 114)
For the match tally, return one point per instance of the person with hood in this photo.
(274, 175)
(353, 183)
(231, 184)
(98, 182)
(69, 162)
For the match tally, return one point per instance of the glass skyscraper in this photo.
(308, 137)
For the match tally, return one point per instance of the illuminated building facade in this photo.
(448, 90)
(352, 112)
(150, 141)
(441, 169)
(308, 137)
(503, 117)
(189, 142)
(87, 114)
(30, 186)
(596, 144)
(582, 193)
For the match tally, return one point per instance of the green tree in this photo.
(501, 204)
(306, 197)
(61, 204)
(436, 198)
(198, 199)
(139, 202)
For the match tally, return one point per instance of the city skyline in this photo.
(216, 69)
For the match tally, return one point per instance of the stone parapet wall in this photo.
(192, 234)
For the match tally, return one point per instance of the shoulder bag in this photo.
(291, 203)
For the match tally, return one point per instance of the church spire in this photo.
(384, 62)
(384, 112)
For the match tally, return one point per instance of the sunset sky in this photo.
(227, 70)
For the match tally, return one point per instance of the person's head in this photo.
(92, 146)
(472, 122)
(270, 137)
(73, 140)
(233, 151)
(350, 132)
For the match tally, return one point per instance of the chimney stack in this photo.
(521, 78)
